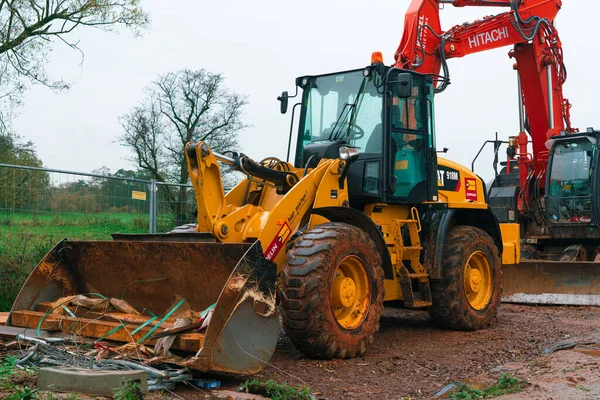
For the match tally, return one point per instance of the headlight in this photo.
(347, 153)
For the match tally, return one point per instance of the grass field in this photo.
(26, 238)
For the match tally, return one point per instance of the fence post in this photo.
(152, 208)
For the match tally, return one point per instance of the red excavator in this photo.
(549, 181)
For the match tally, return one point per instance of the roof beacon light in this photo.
(376, 57)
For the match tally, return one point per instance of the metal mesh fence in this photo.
(176, 205)
(39, 207)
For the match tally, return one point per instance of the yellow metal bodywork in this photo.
(254, 210)
(511, 240)
(469, 192)
(273, 217)
(473, 198)
(392, 218)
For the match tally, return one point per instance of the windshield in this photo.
(570, 184)
(343, 106)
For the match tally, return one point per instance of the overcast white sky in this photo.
(260, 47)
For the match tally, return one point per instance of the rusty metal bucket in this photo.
(552, 282)
(151, 271)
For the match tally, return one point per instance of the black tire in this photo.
(451, 307)
(306, 305)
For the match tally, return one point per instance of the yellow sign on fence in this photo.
(138, 195)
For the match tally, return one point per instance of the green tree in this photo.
(21, 189)
(29, 29)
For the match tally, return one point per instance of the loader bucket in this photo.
(552, 282)
(154, 272)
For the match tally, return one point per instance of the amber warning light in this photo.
(376, 57)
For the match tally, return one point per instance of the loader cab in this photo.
(571, 180)
(386, 114)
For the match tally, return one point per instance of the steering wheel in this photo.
(273, 163)
(356, 133)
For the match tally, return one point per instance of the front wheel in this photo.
(331, 291)
(468, 295)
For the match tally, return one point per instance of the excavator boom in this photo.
(528, 26)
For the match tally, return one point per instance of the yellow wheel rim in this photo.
(478, 281)
(350, 292)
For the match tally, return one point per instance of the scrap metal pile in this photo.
(96, 332)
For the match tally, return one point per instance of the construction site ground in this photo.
(411, 358)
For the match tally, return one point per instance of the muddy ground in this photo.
(412, 358)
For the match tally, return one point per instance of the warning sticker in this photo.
(278, 242)
(138, 195)
(471, 189)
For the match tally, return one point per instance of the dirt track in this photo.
(412, 358)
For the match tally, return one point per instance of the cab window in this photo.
(570, 191)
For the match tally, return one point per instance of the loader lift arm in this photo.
(283, 179)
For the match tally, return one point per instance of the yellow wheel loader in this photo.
(364, 214)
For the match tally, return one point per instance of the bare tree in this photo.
(181, 107)
(28, 29)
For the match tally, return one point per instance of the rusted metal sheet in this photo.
(155, 274)
(171, 237)
(147, 274)
(9, 333)
(552, 282)
(243, 332)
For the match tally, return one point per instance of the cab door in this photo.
(411, 158)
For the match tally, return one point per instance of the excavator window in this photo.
(570, 193)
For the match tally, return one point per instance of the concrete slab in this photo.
(93, 382)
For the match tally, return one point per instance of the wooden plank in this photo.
(3, 318)
(83, 312)
(96, 329)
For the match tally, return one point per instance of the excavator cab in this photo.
(383, 114)
(560, 252)
(571, 181)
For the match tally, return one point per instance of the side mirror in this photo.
(405, 85)
(283, 106)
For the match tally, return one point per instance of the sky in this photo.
(260, 47)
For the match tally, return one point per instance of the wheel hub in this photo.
(350, 292)
(344, 291)
(474, 280)
(478, 284)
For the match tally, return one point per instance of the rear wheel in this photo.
(468, 295)
(331, 291)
